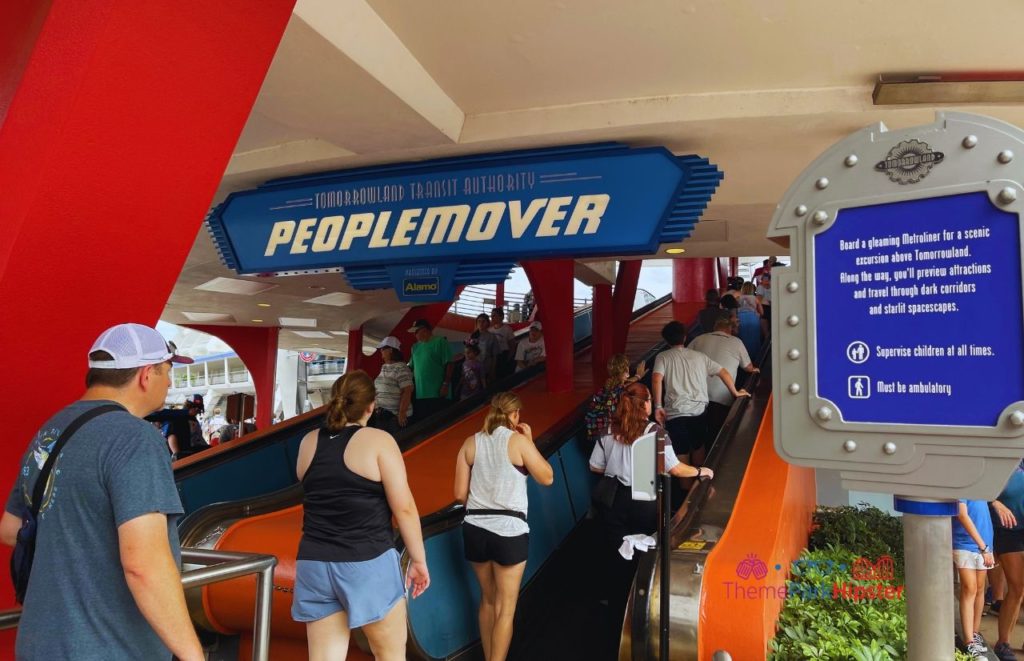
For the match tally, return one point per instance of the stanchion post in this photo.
(664, 542)
(926, 547)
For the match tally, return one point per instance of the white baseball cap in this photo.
(390, 341)
(133, 345)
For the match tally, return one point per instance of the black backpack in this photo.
(25, 546)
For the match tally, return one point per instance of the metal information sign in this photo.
(899, 325)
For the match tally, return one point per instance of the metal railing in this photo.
(217, 566)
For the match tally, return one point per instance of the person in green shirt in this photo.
(431, 369)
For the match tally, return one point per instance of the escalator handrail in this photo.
(408, 438)
(691, 511)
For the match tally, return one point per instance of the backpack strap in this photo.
(65, 436)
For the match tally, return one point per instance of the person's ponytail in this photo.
(503, 405)
(351, 395)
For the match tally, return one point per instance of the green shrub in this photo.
(864, 531)
(815, 623)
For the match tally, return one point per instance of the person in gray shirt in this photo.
(105, 580)
(679, 382)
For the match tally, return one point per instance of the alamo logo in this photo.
(909, 162)
(421, 286)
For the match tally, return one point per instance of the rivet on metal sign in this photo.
(824, 413)
(801, 210)
(850, 445)
(970, 142)
(819, 217)
(1005, 156)
(851, 160)
(889, 448)
(794, 388)
(793, 287)
(1007, 195)
(793, 354)
(1017, 418)
(822, 183)
(792, 320)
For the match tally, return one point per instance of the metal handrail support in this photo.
(217, 566)
(226, 565)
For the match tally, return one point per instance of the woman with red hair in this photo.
(612, 458)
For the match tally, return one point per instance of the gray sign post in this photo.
(899, 331)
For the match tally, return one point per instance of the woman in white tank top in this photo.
(490, 478)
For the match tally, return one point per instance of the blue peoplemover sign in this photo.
(428, 227)
(919, 312)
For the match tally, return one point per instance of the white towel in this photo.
(636, 542)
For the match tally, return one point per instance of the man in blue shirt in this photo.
(972, 556)
(105, 581)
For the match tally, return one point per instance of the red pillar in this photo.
(734, 267)
(499, 295)
(691, 278)
(118, 120)
(622, 301)
(552, 290)
(355, 358)
(723, 264)
(601, 348)
(257, 347)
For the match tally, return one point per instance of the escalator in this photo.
(443, 620)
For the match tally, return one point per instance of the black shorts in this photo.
(1007, 541)
(688, 432)
(485, 546)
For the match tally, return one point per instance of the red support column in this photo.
(691, 278)
(257, 347)
(552, 290)
(118, 120)
(734, 267)
(722, 263)
(602, 325)
(622, 301)
(499, 295)
(356, 357)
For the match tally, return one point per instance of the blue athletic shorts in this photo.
(366, 590)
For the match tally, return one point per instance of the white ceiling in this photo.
(759, 87)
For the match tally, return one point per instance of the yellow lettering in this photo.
(554, 213)
(521, 221)
(588, 208)
(280, 234)
(327, 233)
(486, 220)
(378, 240)
(358, 225)
(406, 224)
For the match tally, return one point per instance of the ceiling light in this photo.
(676, 251)
(301, 322)
(257, 321)
(263, 305)
(317, 287)
(949, 88)
(234, 286)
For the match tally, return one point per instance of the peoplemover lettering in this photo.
(540, 217)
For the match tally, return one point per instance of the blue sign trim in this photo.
(481, 213)
(924, 508)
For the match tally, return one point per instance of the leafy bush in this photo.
(817, 623)
(864, 531)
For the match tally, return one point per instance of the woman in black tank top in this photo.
(347, 572)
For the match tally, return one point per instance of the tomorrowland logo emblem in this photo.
(909, 162)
